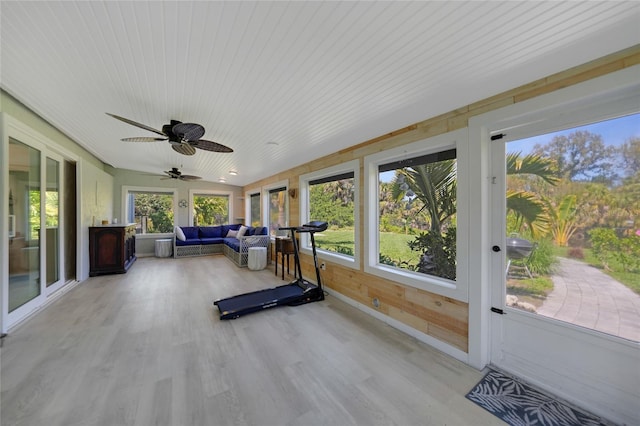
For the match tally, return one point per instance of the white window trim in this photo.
(305, 245)
(458, 290)
(265, 202)
(247, 206)
(194, 192)
(125, 207)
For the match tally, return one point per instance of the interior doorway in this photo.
(70, 220)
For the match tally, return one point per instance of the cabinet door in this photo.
(108, 248)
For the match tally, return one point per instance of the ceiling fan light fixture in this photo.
(183, 137)
(233, 172)
(222, 180)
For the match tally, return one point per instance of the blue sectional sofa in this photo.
(205, 240)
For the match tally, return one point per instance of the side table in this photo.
(257, 259)
(164, 247)
(284, 246)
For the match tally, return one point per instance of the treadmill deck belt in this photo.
(258, 300)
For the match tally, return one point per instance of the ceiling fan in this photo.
(183, 137)
(174, 173)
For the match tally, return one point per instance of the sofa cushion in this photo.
(191, 242)
(233, 243)
(226, 228)
(242, 231)
(179, 234)
(211, 232)
(208, 241)
(190, 232)
(261, 230)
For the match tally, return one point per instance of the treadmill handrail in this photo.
(314, 226)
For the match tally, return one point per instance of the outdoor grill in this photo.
(518, 248)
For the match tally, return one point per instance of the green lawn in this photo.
(531, 290)
(391, 244)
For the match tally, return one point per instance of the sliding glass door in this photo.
(24, 199)
(39, 221)
(53, 210)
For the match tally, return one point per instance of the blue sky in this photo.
(614, 132)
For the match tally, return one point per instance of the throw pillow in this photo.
(243, 229)
(180, 234)
(232, 234)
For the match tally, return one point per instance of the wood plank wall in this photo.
(441, 317)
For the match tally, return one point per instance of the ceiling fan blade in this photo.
(133, 123)
(210, 146)
(190, 177)
(183, 148)
(188, 131)
(143, 139)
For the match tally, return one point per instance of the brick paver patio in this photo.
(585, 296)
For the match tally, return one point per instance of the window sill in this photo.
(420, 281)
(155, 236)
(340, 259)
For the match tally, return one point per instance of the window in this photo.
(254, 209)
(330, 195)
(210, 208)
(151, 209)
(277, 207)
(412, 219)
(417, 219)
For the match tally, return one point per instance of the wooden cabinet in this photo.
(112, 249)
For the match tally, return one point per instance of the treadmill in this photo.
(297, 292)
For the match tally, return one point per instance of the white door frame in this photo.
(583, 366)
(62, 226)
(10, 127)
(15, 130)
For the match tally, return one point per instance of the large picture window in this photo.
(276, 207)
(416, 220)
(330, 195)
(210, 209)
(152, 210)
(254, 209)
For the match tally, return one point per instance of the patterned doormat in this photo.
(519, 404)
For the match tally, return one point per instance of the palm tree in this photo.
(525, 205)
(564, 217)
(434, 184)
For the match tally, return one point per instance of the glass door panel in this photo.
(25, 214)
(573, 226)
(52, 221)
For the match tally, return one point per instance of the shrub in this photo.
(542, 259)
(575, 253)
(605, 244)
(629, 253)
(438, 253)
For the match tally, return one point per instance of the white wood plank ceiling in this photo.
(312, 77)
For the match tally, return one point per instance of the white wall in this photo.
(96, 204)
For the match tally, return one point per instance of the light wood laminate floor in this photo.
(148, 348)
